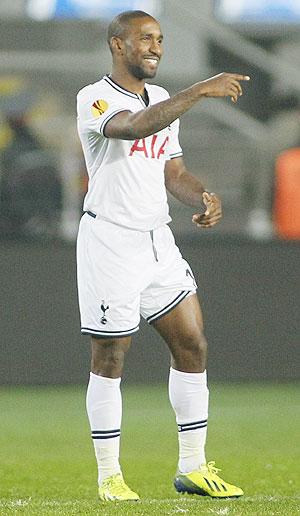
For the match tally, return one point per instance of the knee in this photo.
(202, 343)
(195, 343)
(110, 366)
(108, 358)
(191, 353)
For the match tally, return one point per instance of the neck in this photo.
(128, 81)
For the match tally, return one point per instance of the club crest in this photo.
(104, 309)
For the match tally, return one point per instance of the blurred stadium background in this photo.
(247, 268)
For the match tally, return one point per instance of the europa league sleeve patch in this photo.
(99, 107)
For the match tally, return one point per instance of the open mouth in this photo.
(152, 60)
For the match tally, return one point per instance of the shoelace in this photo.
(211, 468)
(118, 484)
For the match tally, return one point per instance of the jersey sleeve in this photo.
(94, 110)
(175, 150)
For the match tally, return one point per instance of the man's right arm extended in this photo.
(130, 126)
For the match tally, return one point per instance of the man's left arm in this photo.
(188, 189)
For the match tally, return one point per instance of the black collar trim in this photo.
(116, 86)
(119, 88)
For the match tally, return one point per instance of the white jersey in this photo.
(126, 177)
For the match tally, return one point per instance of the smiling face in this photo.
(140, 47)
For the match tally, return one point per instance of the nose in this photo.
(156, 48)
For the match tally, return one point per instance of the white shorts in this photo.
(123, 273)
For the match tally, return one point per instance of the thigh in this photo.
(182, 330)
(184, 322)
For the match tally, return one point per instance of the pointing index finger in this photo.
(241, 77)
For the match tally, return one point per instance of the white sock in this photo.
(188, 394)
(104, 408)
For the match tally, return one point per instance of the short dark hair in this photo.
(120, 23)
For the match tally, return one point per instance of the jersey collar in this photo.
(119, 88)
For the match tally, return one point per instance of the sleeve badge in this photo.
(99, 107)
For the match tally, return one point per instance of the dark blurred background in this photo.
(247, 268)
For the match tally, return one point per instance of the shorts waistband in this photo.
(91, 214)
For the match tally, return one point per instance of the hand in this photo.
(224, 85)
(212, 214)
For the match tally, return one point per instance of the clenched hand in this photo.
(213, 212)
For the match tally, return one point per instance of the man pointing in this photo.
(128, 262)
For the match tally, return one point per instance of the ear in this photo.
(117, 45)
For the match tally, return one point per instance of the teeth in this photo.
(151, 60)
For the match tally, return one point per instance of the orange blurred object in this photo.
(286, 211)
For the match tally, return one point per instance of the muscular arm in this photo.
(182, 184)
(189, 190)
(129, 126)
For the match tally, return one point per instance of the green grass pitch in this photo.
(47, 464)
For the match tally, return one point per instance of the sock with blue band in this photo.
(104, 408)
(188, 395)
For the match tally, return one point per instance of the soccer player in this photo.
(128, 262)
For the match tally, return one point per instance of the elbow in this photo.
(129, 126)
(136, 133)
(136, 129)
(131, 133)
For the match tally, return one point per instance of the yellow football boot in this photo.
(206, 482)
(114, 489)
